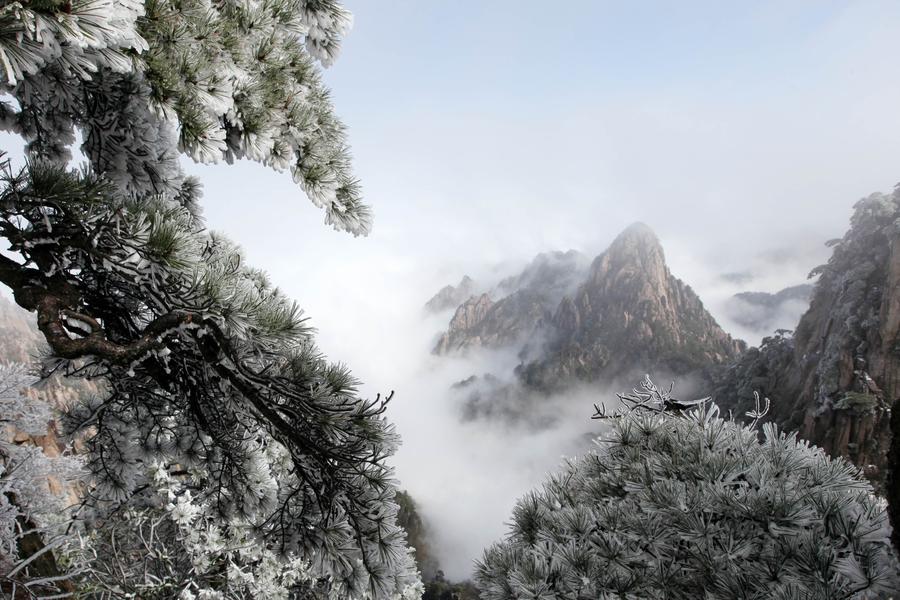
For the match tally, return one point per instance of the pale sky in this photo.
(488, 131)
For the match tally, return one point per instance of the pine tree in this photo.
(208, 369)
(676, 502)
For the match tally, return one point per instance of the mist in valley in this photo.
(466, 473)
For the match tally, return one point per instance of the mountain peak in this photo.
(449, 296)
(630, 314)
(638, 228)
(636, 235)
(636, 253)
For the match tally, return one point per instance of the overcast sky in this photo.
(485, 132)
(488, 131)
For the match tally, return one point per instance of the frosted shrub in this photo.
(681, 503)
(171, 544)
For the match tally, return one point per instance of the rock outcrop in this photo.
(622, 316)
(525, 304)
(835, 380)
(465, 328)
(21, 342)
(630, 316)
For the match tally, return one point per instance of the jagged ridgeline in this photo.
(450, 296)
(610, 320)
(835, 379)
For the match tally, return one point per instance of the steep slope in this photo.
(611, 322)
(836, 378)
(437, 587)
(416, 534)
(21, 342)
(552, 274)
(630, 315)
(480, 322)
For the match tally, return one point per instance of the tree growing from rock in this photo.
(208, 369)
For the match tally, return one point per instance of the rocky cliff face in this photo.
(623, 315)
(630, 315)
(480, 322)
(416, 535)
(21, 342)
(835, 380)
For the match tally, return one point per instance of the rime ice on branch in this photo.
(208, 366)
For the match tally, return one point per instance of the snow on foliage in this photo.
(142, 81)
(196, 554)
(208, 367)
(34, 507)
(204, 363)
(684, 504)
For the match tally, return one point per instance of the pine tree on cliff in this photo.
(206, 364)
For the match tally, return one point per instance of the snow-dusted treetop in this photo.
(676, 502)
(143, 81)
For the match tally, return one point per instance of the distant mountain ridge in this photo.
(795, 292)
(765, 312)
(524, 302)
(622, 315)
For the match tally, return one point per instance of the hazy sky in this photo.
(489, 131)
(485, 132)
